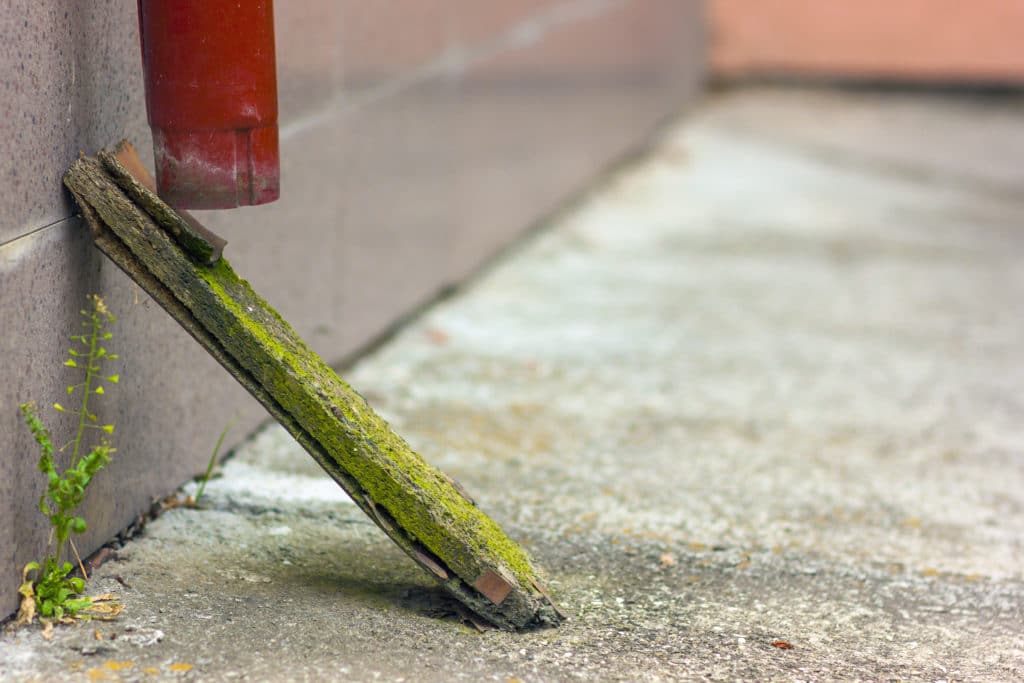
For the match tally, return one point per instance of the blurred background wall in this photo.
(923, 41)
(418, 138)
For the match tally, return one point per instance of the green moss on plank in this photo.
(419, 497)
(331, 421)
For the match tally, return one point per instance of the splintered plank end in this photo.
(128, 171)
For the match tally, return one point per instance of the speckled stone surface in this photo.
(406, 162)
(755, 408)
(71, 81)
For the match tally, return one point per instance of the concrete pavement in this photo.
(754, 404)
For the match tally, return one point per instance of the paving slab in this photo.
(755, 408)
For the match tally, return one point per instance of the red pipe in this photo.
(211, 97)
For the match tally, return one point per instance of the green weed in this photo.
(47, 590)
(209, 465)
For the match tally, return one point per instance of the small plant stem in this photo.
(79, 558)
(213, 461)
(52, 593)
(50, 540)
(86, 388)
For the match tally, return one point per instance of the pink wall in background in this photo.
(940, 40)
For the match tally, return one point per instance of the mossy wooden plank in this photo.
(123, 258)
(124, 165)
(409, 499)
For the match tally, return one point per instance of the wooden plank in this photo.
(431, 520)
(131, 175)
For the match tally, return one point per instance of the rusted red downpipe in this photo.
(211, 97)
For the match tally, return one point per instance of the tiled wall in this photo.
(418, 137)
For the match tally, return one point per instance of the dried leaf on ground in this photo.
(172, 501)
(436, 336)
(104, 607)
(103, 597)
(27, 610)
